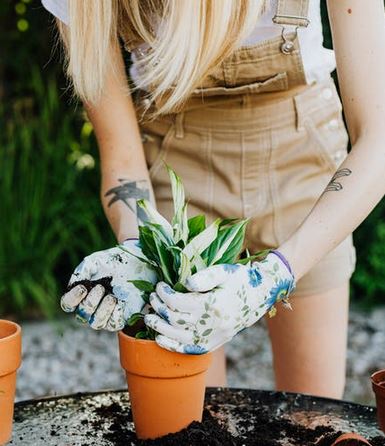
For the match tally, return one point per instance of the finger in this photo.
(169, 344)
(211, 277)
(100, 318)
(88, 305)
(175, 346)
(174, 318)
(72, 298)
(116, 321)
(161, 326)
(182, 302)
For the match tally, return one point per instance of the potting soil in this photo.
(232, 417)
(211, 432)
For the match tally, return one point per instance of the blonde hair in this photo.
(186, 38)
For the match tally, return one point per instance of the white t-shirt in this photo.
(318, 61)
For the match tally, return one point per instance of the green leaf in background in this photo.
(196, 225)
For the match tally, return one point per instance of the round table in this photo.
(84, 419)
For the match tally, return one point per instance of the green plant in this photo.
(178, 249)
(50, 211)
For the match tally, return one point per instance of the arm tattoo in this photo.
(334, 185)
(129, 192)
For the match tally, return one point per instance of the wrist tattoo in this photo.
(129, 192)
(335, 185)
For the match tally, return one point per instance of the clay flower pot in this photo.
(10, 359)
(351, 439)
(378, 385)
(166, 389)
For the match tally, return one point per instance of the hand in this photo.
(224, 299)
(99, 291)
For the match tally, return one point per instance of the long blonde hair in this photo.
(191, 38)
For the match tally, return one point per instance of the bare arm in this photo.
(359, 184)
(124, 172)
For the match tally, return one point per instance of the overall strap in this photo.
(292, 12)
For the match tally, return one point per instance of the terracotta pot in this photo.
(378, 385)
(10, 359)
(351, 439)
(166, 389)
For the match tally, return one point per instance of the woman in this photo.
(244, 109)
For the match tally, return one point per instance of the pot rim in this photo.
(378, 390)
(376, 374)
(139, 341)
(351, 436)
(13, 335)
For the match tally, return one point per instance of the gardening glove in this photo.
(223, 300)
(99, 291)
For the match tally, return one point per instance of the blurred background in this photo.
(51, 218)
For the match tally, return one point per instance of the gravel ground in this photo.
(63, 357)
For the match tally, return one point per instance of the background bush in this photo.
(49, 176)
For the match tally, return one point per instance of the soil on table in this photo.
(266, 431)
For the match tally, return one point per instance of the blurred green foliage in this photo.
(50, 211)
(49, 178)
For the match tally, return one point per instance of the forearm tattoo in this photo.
(335, 185)
(129, 192)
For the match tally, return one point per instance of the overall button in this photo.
(327, 93)
(287, 47)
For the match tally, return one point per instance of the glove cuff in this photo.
(283, 259)
(128, 240)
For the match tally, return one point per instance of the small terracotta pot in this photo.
(166, 389)
(351, 439)
(10, 359)
(378, 385)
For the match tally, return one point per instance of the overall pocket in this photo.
(327, 131)
(277, 82)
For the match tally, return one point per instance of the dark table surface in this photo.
(82, 419)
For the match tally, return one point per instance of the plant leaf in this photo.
(196, 225)
(232, 245)
(143, 285)
(198, 262)
(134, 319)
(227, 246)
(179, 220)
(165, 261)
(146, 240)
(184, 269)
(154, 217)
(202, 241)
(142, 259)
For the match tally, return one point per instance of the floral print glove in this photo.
(99, 291)
(224, 299)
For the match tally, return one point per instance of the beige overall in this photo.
(256, 141)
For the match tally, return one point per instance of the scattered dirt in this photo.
(105, 281)
(266, 431)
